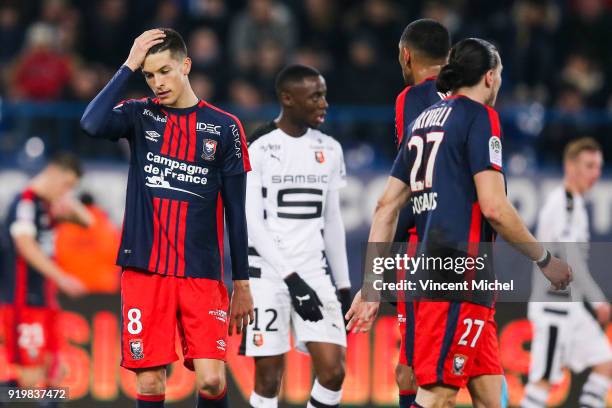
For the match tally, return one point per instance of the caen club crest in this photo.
(319, 157)
(459, 364)
(210, 148)
(136, 349)
(258, 339)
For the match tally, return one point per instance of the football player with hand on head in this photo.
(187, 174)
(295, 230)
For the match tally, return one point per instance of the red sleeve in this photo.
(400, 105)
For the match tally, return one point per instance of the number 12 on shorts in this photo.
(469, 324)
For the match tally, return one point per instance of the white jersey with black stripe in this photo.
(295, 175)
(564, 219)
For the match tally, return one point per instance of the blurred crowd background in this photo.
(57, 54)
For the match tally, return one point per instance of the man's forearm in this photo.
(37, 259)
(384, 223)
(507, 222)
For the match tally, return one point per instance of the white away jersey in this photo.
(295, 175)
(564, 219)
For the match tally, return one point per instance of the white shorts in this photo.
(274, 315)
(565, 335)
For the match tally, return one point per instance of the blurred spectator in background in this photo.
(11, 33)
(89, 254)
(209, 74)
(586, 75)
(319, 25)
(588, 28)
(367, 79)
(243, 95)
(315, 57)
(41, 72)
(352, 42)
(168, 15)
(53, 11)
(84, 84)
(443, 12)
(213, 14)
(269, 60)
(529, 40)
(568, 121)
(382, 21)
(262, 21)
(203, 86)
(106, 33)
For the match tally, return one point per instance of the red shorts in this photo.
(31, 335)
(405, 320)
(154, 306)
(454, 341)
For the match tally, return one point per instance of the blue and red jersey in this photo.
(448, 144)
(182, 161)
(409, 104)
(23, 285)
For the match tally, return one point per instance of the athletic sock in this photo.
(594, 391)
(257, 401)
(535, 397)
(218, 401)
(321, 397)
(150, 401)
(406, 398)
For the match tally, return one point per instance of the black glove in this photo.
(344, 296)
(305, 300)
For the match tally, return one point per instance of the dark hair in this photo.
(292, 74)
(67, 161)
(469, 60)
(173, 42)
(428, 37)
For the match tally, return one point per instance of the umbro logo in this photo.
(152, 135)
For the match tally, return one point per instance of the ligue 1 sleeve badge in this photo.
(209, 149)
